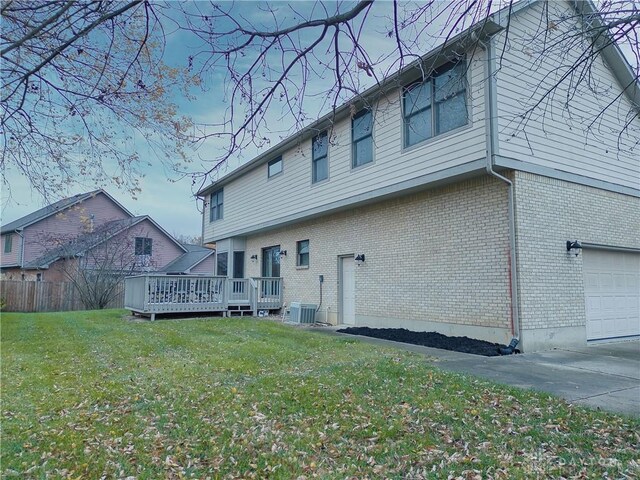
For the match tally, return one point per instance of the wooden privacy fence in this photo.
(32, 296)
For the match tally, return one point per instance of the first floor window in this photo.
(303, 253)
(144, 245)
(435, 105)
(8, 243)
(221, 264)
(216, 201)
(320, 157)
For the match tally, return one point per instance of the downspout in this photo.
(204, 212)
(21, 235)
(491, 131)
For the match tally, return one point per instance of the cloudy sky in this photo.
(165, 196)
(168, 198)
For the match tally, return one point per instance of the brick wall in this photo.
(548, 213)
(435, 256)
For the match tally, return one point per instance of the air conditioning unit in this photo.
(302, 312)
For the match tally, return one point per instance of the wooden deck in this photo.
(156, 294)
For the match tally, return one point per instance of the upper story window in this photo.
(215, 205)
(320, 157)
(144, 245)
(302, 254)
(362, 138)
(435, 105)
(8, 243)
(274, 167)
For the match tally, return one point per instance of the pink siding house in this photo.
(33, 247)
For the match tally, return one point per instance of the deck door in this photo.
(347, 289)
(270, 268)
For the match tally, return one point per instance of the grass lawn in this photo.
(90, 395)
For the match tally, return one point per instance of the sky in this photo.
(170, 200)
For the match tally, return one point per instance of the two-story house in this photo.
(433, 202)
(35, 246)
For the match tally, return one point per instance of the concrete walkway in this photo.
(603, 376)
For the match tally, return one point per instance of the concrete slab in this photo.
(603, 376)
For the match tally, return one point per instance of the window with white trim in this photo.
(436, 105)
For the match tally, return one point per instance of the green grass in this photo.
(89, 394)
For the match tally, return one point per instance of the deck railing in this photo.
(153, 294)
(268, 292)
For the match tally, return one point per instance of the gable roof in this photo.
(80, 244)
(482, 30)
(55, 208)
(195, 254)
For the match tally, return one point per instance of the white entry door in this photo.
(347, 291)
(612, 293)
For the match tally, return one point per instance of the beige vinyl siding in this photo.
(555, 137)
(254, 199)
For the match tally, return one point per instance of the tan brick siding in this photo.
(439, 256)
(548, 213)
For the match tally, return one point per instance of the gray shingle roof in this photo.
(47, 211)
(85, 242)
(194, 255)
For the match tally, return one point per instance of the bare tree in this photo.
(82, 83)
(97, 263)
(278, 64)
(188, 239)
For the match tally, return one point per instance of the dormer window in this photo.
(436, 105)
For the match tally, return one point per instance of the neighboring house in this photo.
(36, 246)
(421, 205)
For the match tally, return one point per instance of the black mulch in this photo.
(429, 339)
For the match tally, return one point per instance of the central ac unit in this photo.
(302, 312)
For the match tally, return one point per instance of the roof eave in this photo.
(464, 40)
(614, 57)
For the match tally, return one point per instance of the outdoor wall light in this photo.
(283, 253)
(254, 257)
(574, 247)
(360, 259)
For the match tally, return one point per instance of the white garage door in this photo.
(612, 293)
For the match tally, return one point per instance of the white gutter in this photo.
(491, 132)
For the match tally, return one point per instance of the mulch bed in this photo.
(429, 339)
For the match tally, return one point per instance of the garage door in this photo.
(612, 293)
